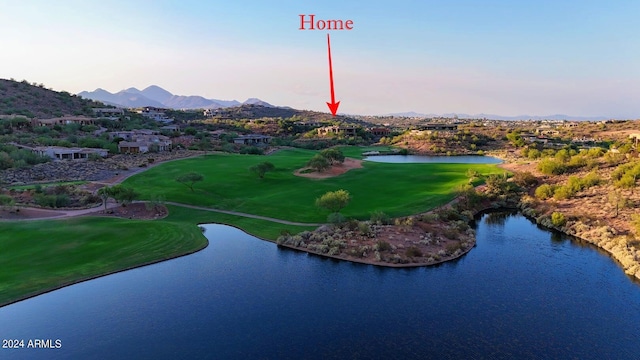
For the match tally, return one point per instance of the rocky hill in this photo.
(36, 101)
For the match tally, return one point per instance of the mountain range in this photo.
(156, 96)
(500, 117)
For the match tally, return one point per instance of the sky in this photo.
(503, 57)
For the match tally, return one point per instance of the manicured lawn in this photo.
(396, 189)
(43, 255)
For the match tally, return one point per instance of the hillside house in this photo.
(379, 131)
(438, 127)
(156, 114)
(64, 120)
(132, 134)
(142, 141)
(337, 130)
(108, 113)
(64, 153)
(253, 139)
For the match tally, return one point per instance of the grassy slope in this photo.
(396, 189)
(39, 256)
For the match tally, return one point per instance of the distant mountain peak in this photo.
(154, 95)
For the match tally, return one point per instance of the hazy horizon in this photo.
(538, 58)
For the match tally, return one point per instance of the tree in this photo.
(204, 144)
(635, 221)
(190, 179)
(318, 163)
(123, 195)
(333, 155)
(617, 200)
(334, 201)
(262, 168)
(105, 193)
(6, 202)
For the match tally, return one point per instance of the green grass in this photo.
(37, 256)
(396, 189)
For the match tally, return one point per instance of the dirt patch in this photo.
(139, 211)
(335, 170)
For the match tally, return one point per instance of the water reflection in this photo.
(517, 294)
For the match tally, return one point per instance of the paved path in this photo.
(243, 214)
(62, 214)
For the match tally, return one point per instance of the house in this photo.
(338, 130)
(64, 153)
(64, 120)
(380, 131)
(171, 127)
(108, 113)
(253, 139)
(154, 113)
(131, 135)
(145, 143)
(438, 127)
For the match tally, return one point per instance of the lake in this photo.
(464, 159)
(522, 292)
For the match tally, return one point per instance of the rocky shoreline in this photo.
(602, 236)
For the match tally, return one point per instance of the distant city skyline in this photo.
(495, 57)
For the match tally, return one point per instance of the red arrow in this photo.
(333, 105)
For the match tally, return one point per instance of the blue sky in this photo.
(500, 57)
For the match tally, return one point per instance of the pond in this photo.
(462, 159)
(522, 292)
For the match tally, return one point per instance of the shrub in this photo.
(413, 252)
(635, 222)
(380, 218)
(563, 193)
(558, 219)
(335, 218)
(551, 167)
(382, 245)
(544, 191)
(525, 179)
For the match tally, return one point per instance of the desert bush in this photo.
(453, 247)
(380, 218)
(452, 234)
(413, 251)
(551, 167)
(558, 219)
(382, 245)
(635, 222)
(429, 218)
(525, 179)
(545, 191)
(336, 218)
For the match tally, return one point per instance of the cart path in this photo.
(50, 214)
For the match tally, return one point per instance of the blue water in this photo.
(463, 159)
(522, 292)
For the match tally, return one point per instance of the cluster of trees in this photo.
(567, 160)
(626, 176)
(12, 157)
(574, 185)
(325, 159)
(121, 194)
